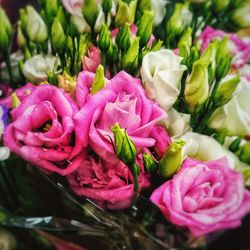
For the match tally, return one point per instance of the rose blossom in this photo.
(239, 48)
(43, 133)
(123, 100)
(204, 197)
(110, 185)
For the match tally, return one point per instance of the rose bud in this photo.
(185, 43)
(145, 28)
(244, 153)
(99, 80)
(149, 163)
(172, 159)
(123, 38)
(36, 28)
(58, 36)
(130, 58)
(225, 91)
(5, 31)
(223, 59)
(104, 40)
(197, 88)
(241, 14)
(90, 11)
(125, 13)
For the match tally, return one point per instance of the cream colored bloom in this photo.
(161, 75)
(36, 68)
(235, 115)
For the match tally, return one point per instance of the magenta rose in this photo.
(204, 197)
(122, 101)
(92, 61)
(239, 48)
(43, 132)
(111, 186)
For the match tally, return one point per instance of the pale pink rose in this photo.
(74, 7)
(93, 60)
(122, 101)
(204, 197)
(42, 131)
(21, 93)
(239, 48)
(109, 185)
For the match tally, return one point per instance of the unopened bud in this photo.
(90, 11)
(149, 163)
(125, 13)
(124, 147)
(123, 38)
(104, 40)
(51, 8)
(172, 159)
(197, 87)
(99, 80)
(225, 91)
(130, 58)
(21, 40)
(15, 100)
(145, 27)
(58, 37)
(244, 153)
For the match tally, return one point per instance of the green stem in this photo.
(8, 63)
(135, 176)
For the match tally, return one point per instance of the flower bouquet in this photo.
(125, 124)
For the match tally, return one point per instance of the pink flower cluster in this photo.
(240, 49)
(72, 138)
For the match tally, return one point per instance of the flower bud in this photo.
(124, 147)
(5, 31)
(58, 37)
(241, 14)
(174, 24)
(143, 5)
(185, 43)
(149, 163)
(123, 38)
(225, 91)
(157, 45)
(197, 88)
(145, 27)
(234, 146)
(15, 100)
(219, 5)
(36, 28)
(7, 240)
(130, 58)
(223, 59)
(21, 40)
(23, 19)
(209, 56)
(99, 80)
(68, 83)
(5, 22)
(4, 39)
(60, 15)
(171, 160)
(193, 57)
(51, 8)
(244, 153)
(106, 6)
(104, 40)
(90, 11)
(125, 13)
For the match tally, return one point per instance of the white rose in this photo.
(36, 68)
(235, 115)
(177, 123)
(159, 9)
(206, 148)
(161, 75)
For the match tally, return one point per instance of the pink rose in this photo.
(74, 7)
(92, 61)
(21, 93)
(42, 131)
(123, 100)
(204, 197)
(239, 48)
(111, 186)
